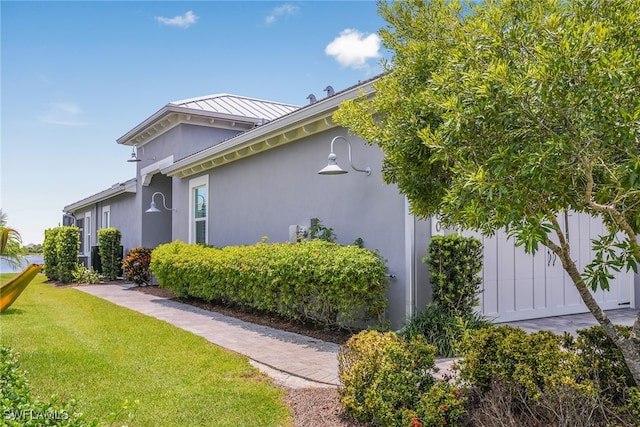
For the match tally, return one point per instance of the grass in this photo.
(77, 346)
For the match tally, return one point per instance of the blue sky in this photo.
(75, 76)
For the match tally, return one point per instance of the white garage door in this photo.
(519, 286)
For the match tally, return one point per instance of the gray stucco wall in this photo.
(264, 194)
(156, 227)
(123, 210)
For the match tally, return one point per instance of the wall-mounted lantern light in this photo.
(153, 208)
(332, 167)
(134, 157)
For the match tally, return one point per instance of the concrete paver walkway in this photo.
(291, 359)
(284, 355)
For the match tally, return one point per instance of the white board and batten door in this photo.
(520, 286)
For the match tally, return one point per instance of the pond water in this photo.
(5, 267)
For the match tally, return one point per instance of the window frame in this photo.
(194, 184)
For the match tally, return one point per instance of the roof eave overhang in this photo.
(302, 123)
(115, 190)
(171, 115)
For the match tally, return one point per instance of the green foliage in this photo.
(50, 253)
(110, 252)
(20, 409)
(82, 274)
(604, 360)
(61, 245)
(67, 243)
(552, 379)
(388, 381)
(136, 266)
(316, 280)
(320, 232)
(455, 263)
(442, 329)
(509, 114)
(11, 250)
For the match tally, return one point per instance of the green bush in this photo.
(604, 360)
(388, 381)
(136, 266)
(455, 263)
(61, 247)
(317, 280)
(50, 253)
(519, 377)
(67, 246)
(20, 409)
(110, 252)
(441, 329)
(454, 266)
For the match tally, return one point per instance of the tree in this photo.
(510, 113)
(11, 243)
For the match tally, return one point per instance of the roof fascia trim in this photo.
(115, 190)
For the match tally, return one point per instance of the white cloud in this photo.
(353, 48)
(184, 21)
(63, 114)
(285, 9)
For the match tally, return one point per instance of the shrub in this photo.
(455, 263)
(50, 253)
(542, 379)
(316, 280)
(388, 381)
(110, 252)
(136, 266)
(61, 247)
(441, 329)
(82, 274)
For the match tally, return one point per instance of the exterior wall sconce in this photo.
(134, 157)
(332, 167)
(153, 208)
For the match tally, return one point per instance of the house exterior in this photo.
(228, 170)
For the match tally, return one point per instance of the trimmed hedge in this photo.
(313, 280)
(61, 246)
(110, 252)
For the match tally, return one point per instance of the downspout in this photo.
(409, 261)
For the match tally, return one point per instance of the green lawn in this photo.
(78, 346)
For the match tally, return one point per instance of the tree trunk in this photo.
(630, 348)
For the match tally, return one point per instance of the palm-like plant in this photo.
(10, 243)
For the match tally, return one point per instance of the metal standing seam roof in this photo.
(237, 106)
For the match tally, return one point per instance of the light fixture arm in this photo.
(153, 207)
(367, 170)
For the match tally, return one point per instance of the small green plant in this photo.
(136, 266)
(441, 329)
(82, 274)
(110, 252)
(317, 231)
